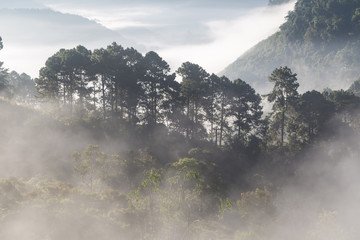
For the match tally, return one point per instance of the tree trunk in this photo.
(221, 123)
(103, 95)
(282, 127)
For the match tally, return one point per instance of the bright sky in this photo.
(207, 32)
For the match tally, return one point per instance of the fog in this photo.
(238, 35)
(69, 175)
(321, 202)
(178, 32)
(42, 198)
(185, 32)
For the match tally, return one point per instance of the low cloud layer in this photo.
(230, 38)
(207, 33)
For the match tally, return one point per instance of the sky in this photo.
(210, 33)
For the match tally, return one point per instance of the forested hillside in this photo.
(319, 40)
(107, 144)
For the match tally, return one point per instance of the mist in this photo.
(45, 198)
(183, 32)
(199, 37)
(320, 202)
(108, 143)
(238, 35)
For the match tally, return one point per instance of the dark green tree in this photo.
(116, 70)
(193, 89)
(4, 84)
(346, 104)
(284, 97)
(355, 88)
(66, 76)
(245, 107)
(47, 85)
(101, 63)
(23, 87)
(132, 86)
(222, 106)
(211, 107)
(155, 85)
(313, 112)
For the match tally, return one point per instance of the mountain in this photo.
(48, 27)
(319, 41)
(30, 36)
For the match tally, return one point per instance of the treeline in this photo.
(118, 91)
(117, 84)
(121, 84)
(202, 160)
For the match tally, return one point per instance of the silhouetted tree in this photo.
(4, 84)
(284, 96)
(155, 84)
(245, 107)
(23, 86)
(193, 88)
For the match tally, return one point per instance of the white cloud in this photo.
(211, 37)
(112, 17)
(231, 38)
(28, 60)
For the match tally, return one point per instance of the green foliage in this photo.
(66, 73)
(95, 168)
(318, 20)
(346, 106)
(22, 87)
(319, 41)
(192, 143)
(4, 83)
(355, 88)
(313, 111)
(157, 88)
(193, 89)
(245, 108)
(284, 96)
(258, 209)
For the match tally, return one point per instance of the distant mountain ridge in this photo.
(51, 26)
(320, 41)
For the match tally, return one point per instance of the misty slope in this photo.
(320, 41)
(32, 143)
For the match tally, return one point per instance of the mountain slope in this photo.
(320, 41)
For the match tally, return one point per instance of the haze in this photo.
(206, 32)
(109, 143)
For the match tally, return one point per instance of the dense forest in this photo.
(319, 40)
(111, 144)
